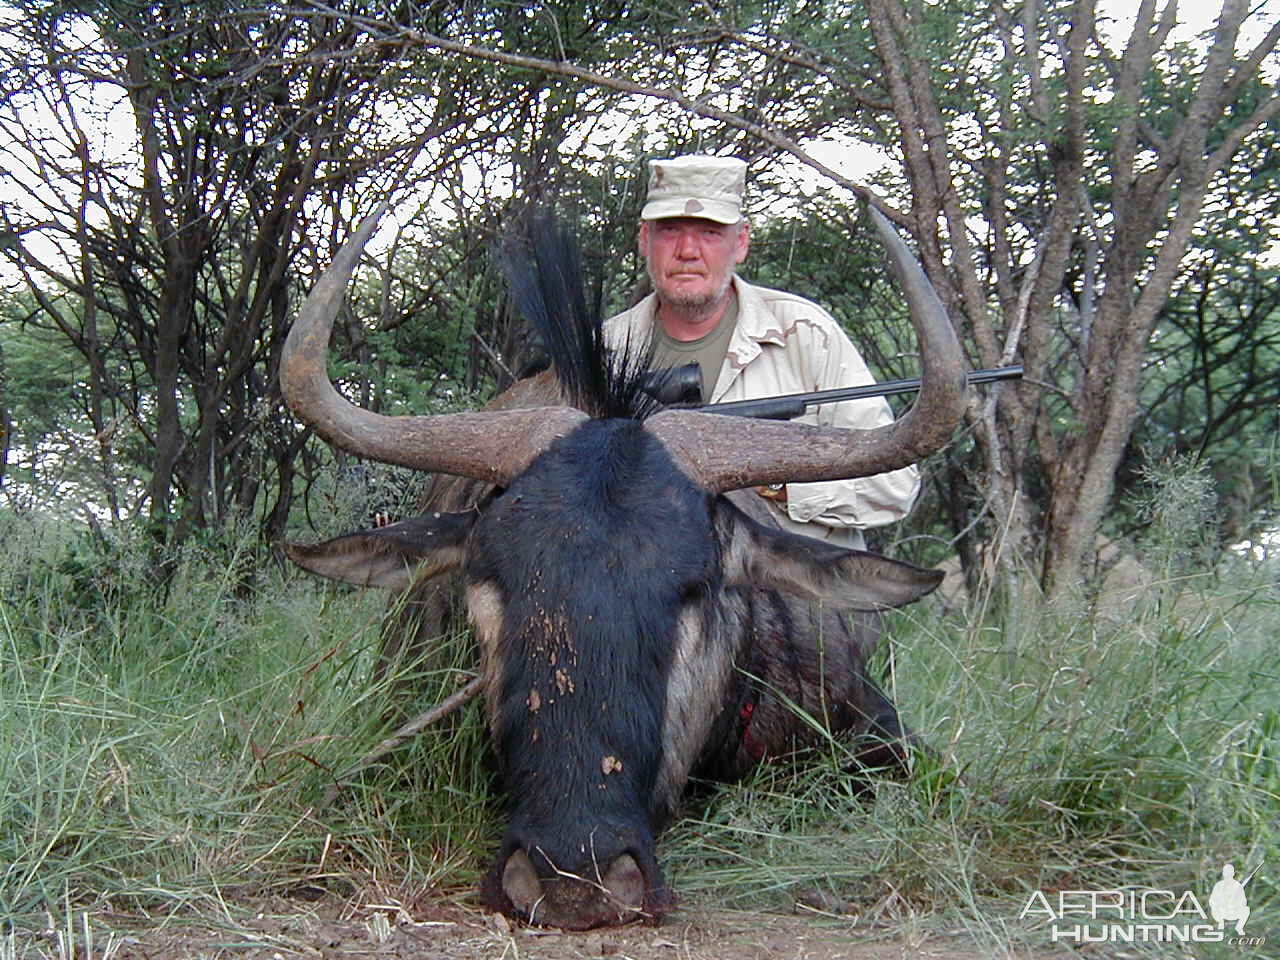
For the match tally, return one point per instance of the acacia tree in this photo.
(161, 157)
(1071, 272)
(1053, 178)
(172, 175)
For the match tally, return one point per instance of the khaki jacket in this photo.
(786, 344)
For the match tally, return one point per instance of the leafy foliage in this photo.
(202, 164)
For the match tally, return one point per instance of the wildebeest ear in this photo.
(771, 559)
(393, 556)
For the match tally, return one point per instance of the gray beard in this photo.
(692, 302)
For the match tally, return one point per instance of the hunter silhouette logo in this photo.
(1228, 902)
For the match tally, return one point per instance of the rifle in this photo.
(683, 384)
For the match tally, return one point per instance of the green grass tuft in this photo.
(167, 748)
(1086, 753)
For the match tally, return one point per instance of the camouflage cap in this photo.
(696, 186)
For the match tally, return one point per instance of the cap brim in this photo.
(667, 207)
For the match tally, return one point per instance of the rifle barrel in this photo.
(794, 404)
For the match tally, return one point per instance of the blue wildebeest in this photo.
(639, 619)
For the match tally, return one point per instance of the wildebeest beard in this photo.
(622, 584)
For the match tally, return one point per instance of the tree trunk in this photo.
(1153, 187)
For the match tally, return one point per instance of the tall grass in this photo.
(167, 749)
(1103, 755)
(1130, 744)
(163, 752)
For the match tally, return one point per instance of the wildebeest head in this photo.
(599, 574)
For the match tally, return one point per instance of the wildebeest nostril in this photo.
(624, 882)
(520, 883)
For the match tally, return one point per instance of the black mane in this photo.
(544, 274)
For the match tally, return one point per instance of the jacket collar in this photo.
(756, 325)
(755, 321)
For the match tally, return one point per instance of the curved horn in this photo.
(726, 453)
(491, 446)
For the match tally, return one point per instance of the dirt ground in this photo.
(332, 930)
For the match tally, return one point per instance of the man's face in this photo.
(690, 259)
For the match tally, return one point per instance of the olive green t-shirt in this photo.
(707, 351)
